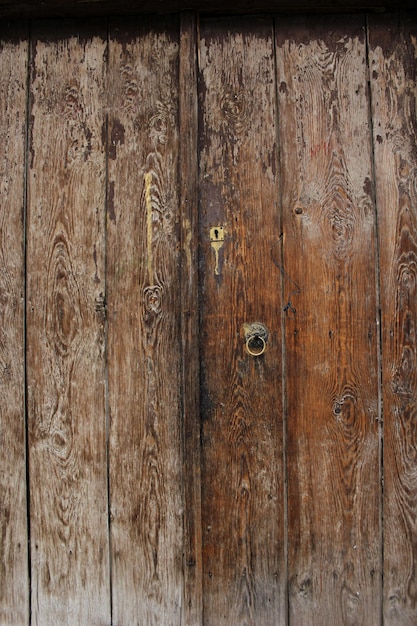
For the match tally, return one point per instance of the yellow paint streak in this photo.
(149, 238)
(188, 243)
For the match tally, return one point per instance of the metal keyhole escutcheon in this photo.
(256, 337)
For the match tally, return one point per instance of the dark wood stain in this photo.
(188, 130)
(74, 8)
(241, 489)
(117, 137)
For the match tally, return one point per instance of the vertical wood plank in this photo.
(188, 109)
(144, 323)
(332, 338)
(14, 581)
(242, 467)
(65, 326)
(393, 64)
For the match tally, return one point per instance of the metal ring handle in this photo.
(258, 351)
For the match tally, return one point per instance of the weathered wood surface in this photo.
(144, 305)
(112, 181)
(242, 430)
(65, 326)
(332, 338)
(74, 8)
(393, 66)
(14, 607)
(190, 328)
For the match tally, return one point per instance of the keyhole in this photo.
(217, 241)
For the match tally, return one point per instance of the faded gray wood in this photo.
(393, 76)
(188, 110)
(14, 576)
(329, 249)
(144, 322)
(65, 327)
(242, 429)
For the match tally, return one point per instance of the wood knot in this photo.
(233, 108)
(153, 299)
(72, 104)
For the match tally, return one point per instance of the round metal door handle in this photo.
(256, 345)
(256, 337)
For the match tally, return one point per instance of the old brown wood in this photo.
(190, 328)
(14, 590)
(242, 418)
(66, 352)
(165, 181)
(332, 339)
(143, 321)
(393, 80)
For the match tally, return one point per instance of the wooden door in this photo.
(207, 343)
(286, 172)
(304, 453)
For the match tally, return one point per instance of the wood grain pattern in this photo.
(188, 109)
(393, 53)
(144, 323)
(14, 588)
(126, 151)
(65, 327)
(242, 432)
(332, 339)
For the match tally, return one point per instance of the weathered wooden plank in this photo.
(188, 129)
(65, 326)
(242, 438)
(73, 8)
(144, 323)
(393, 54)
(332, 337)
(14, 587)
